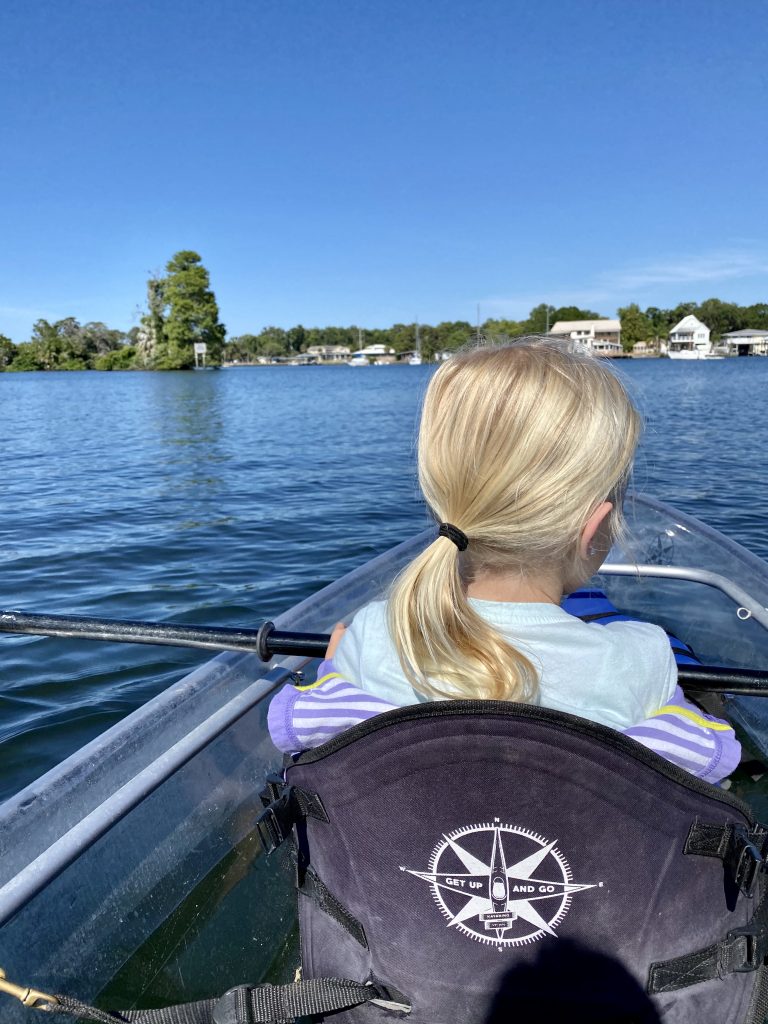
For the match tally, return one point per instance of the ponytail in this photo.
(446, 649)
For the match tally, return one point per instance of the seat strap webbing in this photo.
(742, 949)
(312, 885)
(263, 1004)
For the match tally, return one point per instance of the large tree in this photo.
(635, 326)
(191, 314)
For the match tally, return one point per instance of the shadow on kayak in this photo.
(570, 982)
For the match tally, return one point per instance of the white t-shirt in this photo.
(616, 674)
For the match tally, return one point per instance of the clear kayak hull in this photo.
(132, 869)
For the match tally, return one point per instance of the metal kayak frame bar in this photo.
(726, 586)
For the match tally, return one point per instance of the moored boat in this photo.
(139, 852)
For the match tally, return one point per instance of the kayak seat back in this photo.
(486, 860)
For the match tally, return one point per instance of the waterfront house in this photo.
(644, 349)
(603, 337)
(689, 339)
(329, 353)
(749, 342)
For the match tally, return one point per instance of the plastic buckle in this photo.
(269, 832)
(745, 860)
(753, 955)
(274, 787)
(275, 823)
(233, 1007)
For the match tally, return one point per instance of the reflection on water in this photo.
(224, 498)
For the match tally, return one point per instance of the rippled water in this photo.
(224, 498)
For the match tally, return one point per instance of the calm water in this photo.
(224, 498)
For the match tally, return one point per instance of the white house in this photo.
(376, 350)
(328, 351)
(749, 342)
(603, 337)
(689, 339)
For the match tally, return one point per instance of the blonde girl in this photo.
(525, 451)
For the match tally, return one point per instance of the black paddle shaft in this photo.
(266, 641)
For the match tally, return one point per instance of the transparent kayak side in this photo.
(719, 627)
(135, 863)
(723, 628)
(132, 870)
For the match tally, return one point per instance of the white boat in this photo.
(132, 871)
(415, 359)
(699, 351)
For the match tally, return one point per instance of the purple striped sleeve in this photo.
(703, 745)
(301, 717)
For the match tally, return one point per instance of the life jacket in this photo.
(483, 861)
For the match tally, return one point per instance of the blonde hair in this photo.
(518, 446)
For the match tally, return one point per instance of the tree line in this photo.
(650, 325)
(182, 310)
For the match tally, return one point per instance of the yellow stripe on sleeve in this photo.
(319, 682)
(674, 709)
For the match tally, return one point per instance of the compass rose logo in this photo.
(502, 885)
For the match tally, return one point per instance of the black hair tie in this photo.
(453, 533)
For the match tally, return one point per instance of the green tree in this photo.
(635, 326)
(58, 346)
(244, 348)
(296, 339)
(100, 339)
(660, 321)
(720, 317)
(192, 314)
(540, 319)
(117, 359)
(756, 316)
(681, 310)
(27, 357)
(575, 313)
(450, 335)
(272, 341)
(511, 328)
(149, 339)
(7, 351)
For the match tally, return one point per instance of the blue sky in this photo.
(373, 161)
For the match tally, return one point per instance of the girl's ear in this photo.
(591, 527)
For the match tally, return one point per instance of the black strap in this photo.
(311, 885)
(263, 1004)
(741, 850)
(284, 807)
(742, 949)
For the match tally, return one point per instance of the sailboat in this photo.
(359, 358)
(415, 359)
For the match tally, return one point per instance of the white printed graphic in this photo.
(502, 885)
